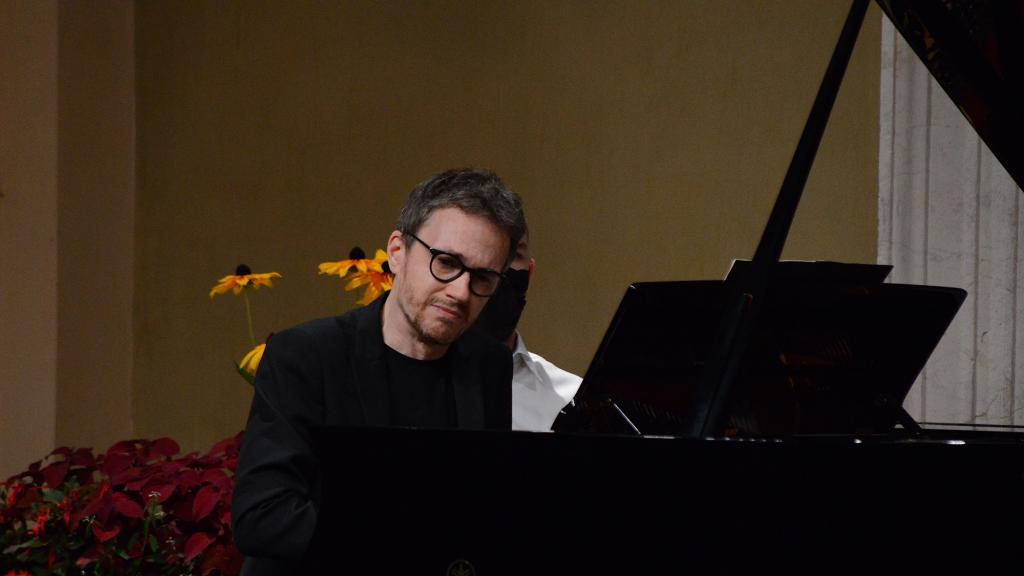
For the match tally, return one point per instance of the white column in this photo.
(949, 215)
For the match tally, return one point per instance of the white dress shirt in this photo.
(539, 389)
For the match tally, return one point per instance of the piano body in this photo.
(514, 503)
(726, 474)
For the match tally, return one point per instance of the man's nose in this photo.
(458, 289)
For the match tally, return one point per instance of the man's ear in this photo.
(396, 251)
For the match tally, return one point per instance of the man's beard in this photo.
(436, 337)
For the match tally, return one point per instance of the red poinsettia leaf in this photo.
(164, 447)
(116, 462)
(104, 535)
(53, 475)
(227, 446)
(83, 457)
(173, 467)
(97, 502)
(225, 516)
(163, 491)
(137, 484)
(122, 447)
(205, 501)
(216, 477)
(122, 477)
(181, 508)
(213, 475)
(222, 559)
(231, 463)
(195, 545)
(62, 451)
(125, 506)
(187, 479)
(103, 514)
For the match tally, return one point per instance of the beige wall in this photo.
(28, 232)
(96, 115)
(66, 226)
(648, 141)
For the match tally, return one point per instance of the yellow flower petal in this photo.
(219, 289)
(357, 281)
(237, 283)
(264, 279)
(343, 267)
(376, 284)
(251, 361)
(362, 272)
(371, 294)
(339, 268)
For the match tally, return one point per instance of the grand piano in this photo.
(767, 435)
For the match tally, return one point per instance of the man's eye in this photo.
(447, 262)
(486, 281)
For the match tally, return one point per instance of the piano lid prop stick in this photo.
(745, 292)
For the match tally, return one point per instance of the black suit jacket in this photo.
(331, 372)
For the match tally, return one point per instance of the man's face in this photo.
(437, 313)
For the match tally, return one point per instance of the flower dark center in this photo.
(356, 253)
(243, 270)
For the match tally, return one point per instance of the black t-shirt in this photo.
(420, 391)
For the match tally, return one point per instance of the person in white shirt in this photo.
(539, 388)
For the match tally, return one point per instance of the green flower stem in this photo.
(248, 316)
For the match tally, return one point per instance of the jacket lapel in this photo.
(371, 378)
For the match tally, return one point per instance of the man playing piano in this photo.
(409, 360)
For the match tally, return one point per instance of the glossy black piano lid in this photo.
(975, 51)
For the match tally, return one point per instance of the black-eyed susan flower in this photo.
(238, 282)
(362, 271)
(243, 278)
(356, 259)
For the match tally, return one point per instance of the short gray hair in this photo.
(474, 191)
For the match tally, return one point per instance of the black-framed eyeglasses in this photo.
(445, 267)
